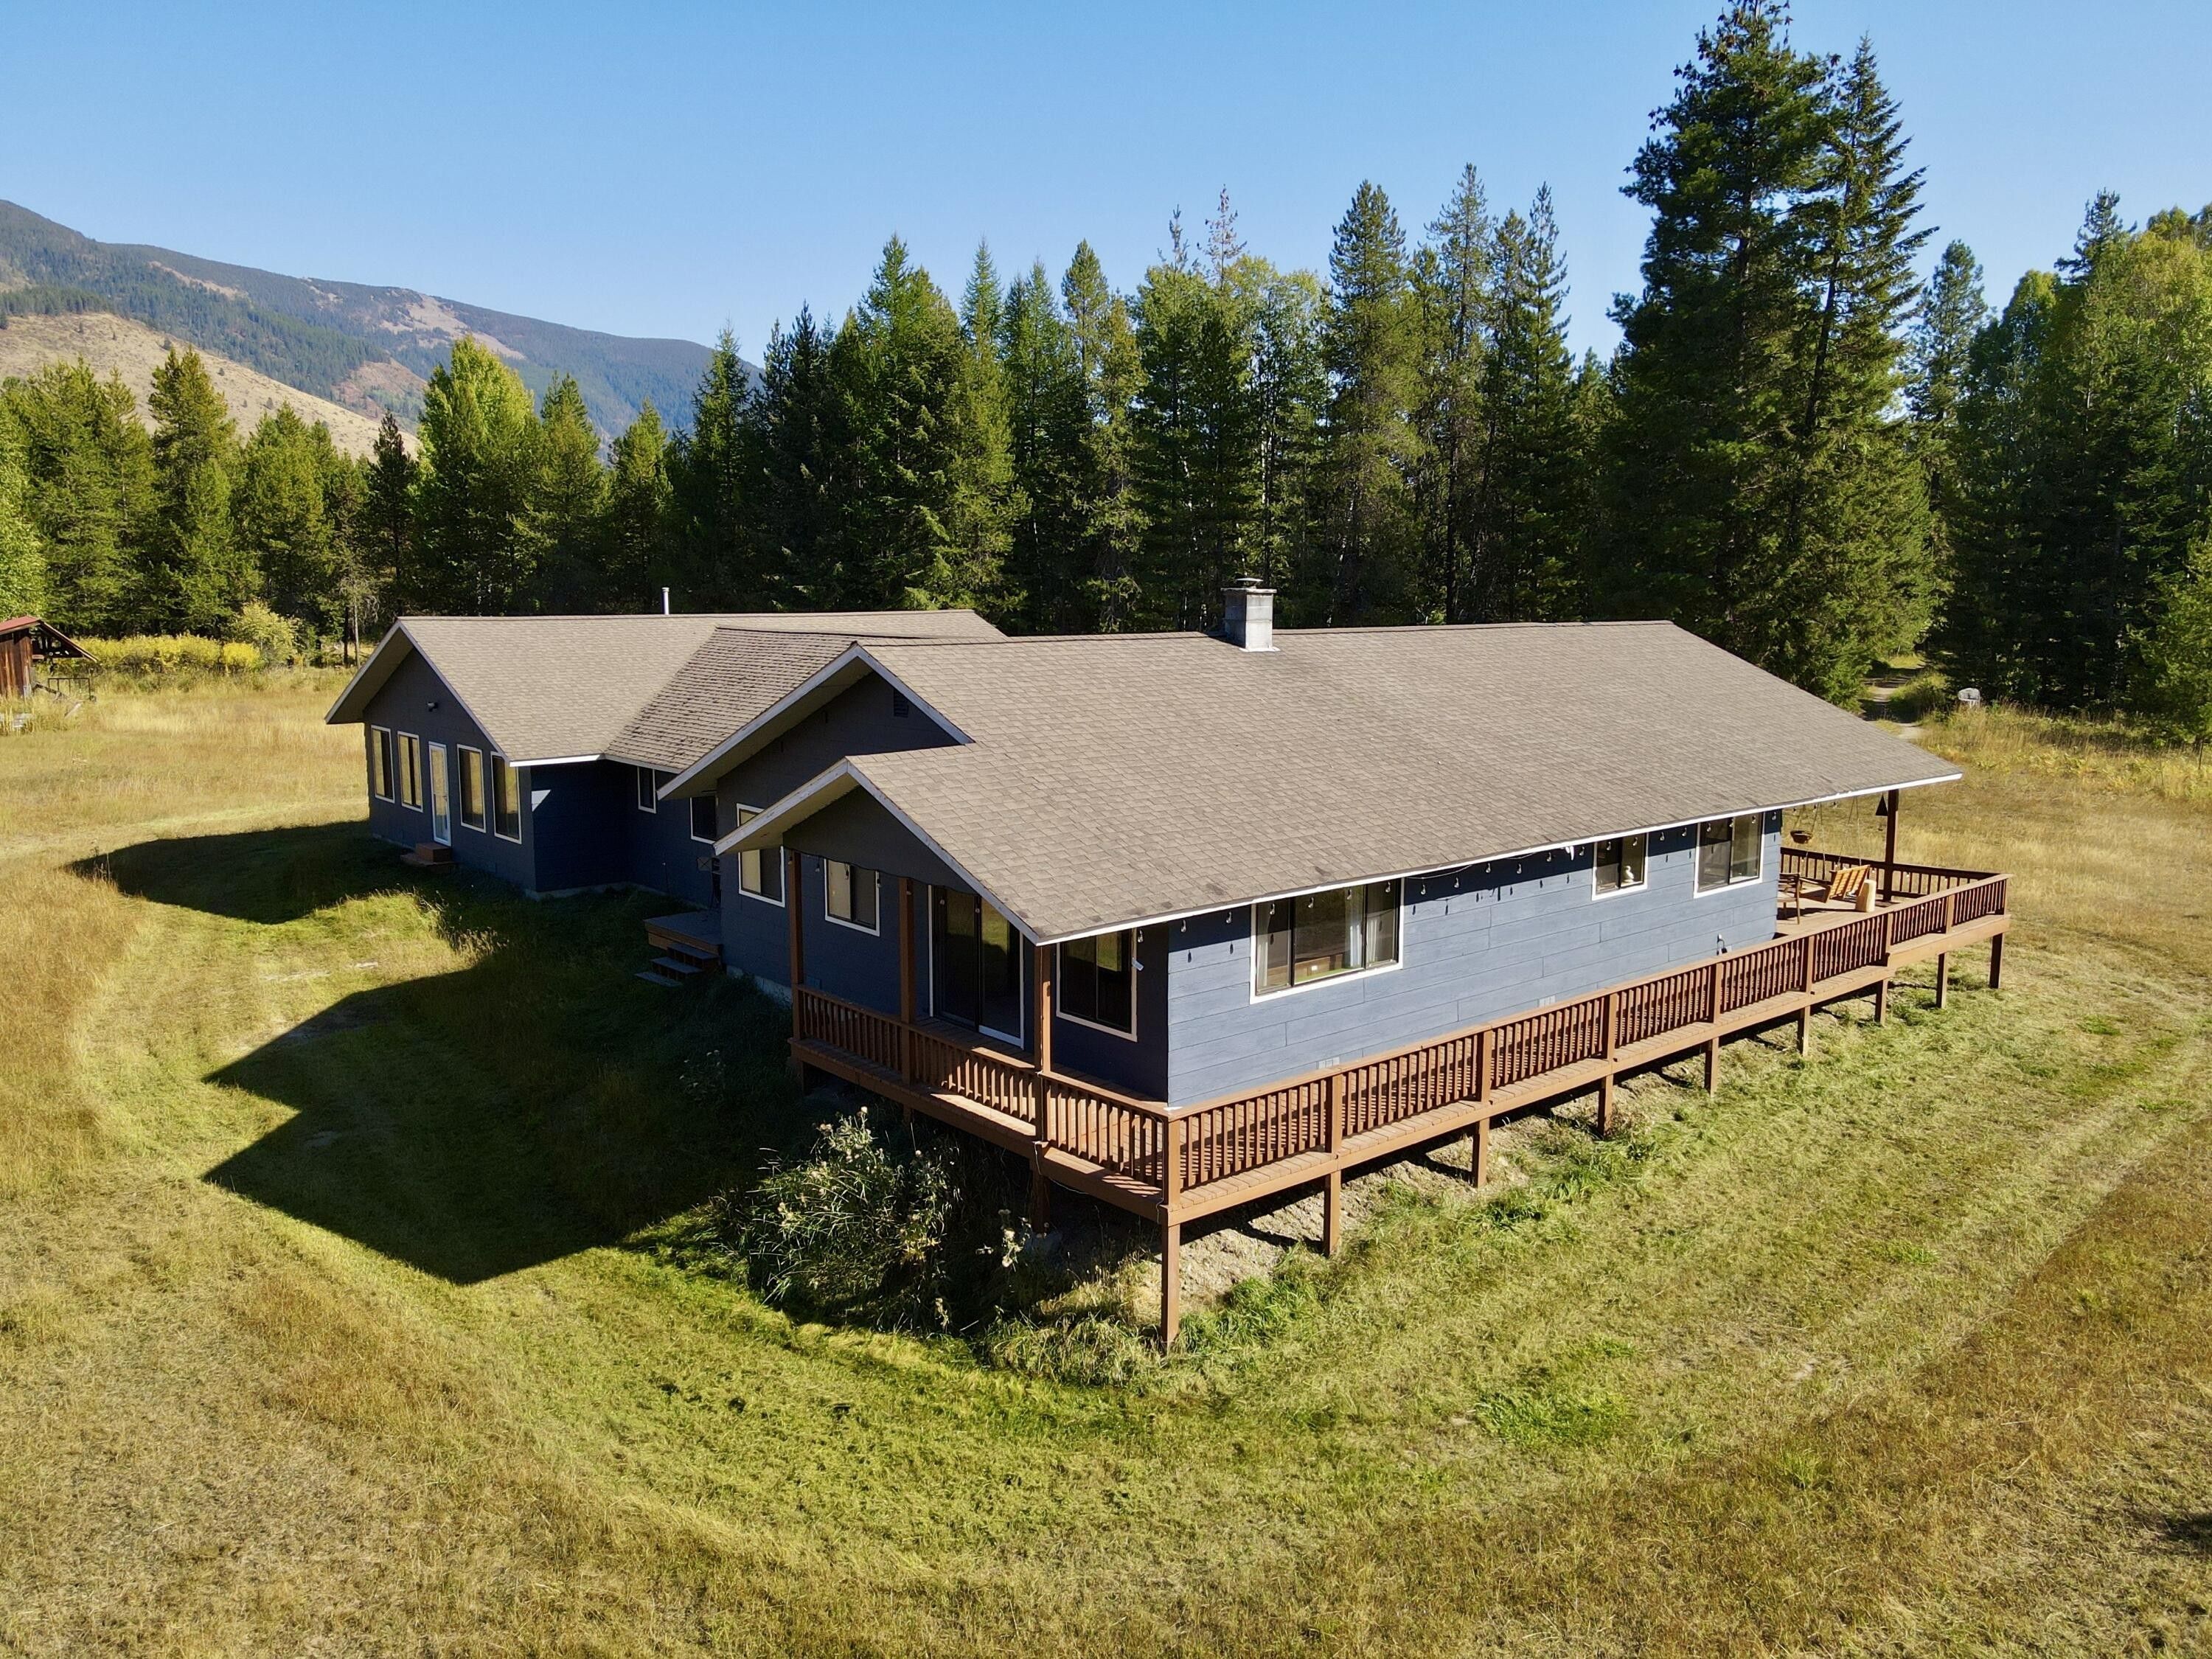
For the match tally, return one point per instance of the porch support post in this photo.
(1041, 1049)
(1889, 852)
(1612, 1043)
(1881, 1000)
(797, 935)
(1713, 1042)
(1332, 1191)
(1996, 961)
(1805, 1014)
(1942, 977)
(1482, 1151)
(906, 976)
(1171, 1140)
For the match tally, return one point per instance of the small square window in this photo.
(1620, 864)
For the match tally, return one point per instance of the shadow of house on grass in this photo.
(536, 1101)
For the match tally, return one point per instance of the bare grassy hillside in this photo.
(132, 350)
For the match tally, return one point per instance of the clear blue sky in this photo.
(670, 171)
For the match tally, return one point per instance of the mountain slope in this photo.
(367, 348)
(125, 346)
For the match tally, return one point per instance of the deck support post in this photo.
(1612, 1048)
(1805, 1014)
(1171, 1281)
(906, 978)
(1889, 849)
(1332, 1193)
(797, 946)
(1481, 1161)
(1713, 1066)
(1041, 1050)
(1943, 978)
(1881, 1000)
(1996, 961)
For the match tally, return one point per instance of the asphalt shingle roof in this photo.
(1116, 779)
(556, 688)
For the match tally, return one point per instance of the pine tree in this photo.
(709, 469)
(195, 575)
(637, 510)
(898, 360)
(564, 524)
(1759, 490)
(1289, 393)
(22, 560)
(89, 468)
(1194, 453)
(1455, 285)
(1952, 313)
(2174, 684)
(281, 511)
(381, 570)
(979, 470)
(1531, 477)
(1048, 431)
(1111, 528)
(807, 474)
(1371, 447)
(479, 443)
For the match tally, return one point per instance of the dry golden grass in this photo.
(332, 1317)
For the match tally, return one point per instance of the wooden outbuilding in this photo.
(25, 643)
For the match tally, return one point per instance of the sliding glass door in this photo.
(975, 959)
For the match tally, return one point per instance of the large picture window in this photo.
(849, 895)
(1098, 981)
(760, 871)
(1728, 850)
(410, 770)
(1346, 930)
(1620, 865)
(506, 801)
(473, 789)
(379, 762)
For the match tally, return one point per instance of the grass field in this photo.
(342, 1309)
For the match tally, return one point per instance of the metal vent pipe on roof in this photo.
(1248, 615)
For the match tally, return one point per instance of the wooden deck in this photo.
(1181, 1164)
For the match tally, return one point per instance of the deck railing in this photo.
(1186, 1149)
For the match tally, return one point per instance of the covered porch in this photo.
(1178, 1165)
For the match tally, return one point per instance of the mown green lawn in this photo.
(344, 1306)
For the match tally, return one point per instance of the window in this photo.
(1347, 930)
(851, 895)
(410, 770)
(1620, 865)
(1728, 850)
(506, 801)
(1098, 982)
(702, 817)
(759, 872)
(978, 967)
(648, 785)
(473, 789)
(379, 762)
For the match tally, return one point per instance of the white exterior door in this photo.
(441, 797)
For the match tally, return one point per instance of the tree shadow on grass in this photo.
(538, 1101)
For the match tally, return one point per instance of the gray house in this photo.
(534, 748)
(1190, 919)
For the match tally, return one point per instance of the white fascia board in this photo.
(1470, 864)
(832, 677)
(549, 760)
(362, 674)
(833, 785)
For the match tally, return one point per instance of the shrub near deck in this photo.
(434, 1323)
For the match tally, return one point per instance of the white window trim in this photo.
(1060, 982)
(1698, 889)
(391, 759)
(461, 794)
(421, 773)
(651, 793)
(1598, 895)
(875, 932)
(1252, 979)
(783, 876)
(491, 798)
